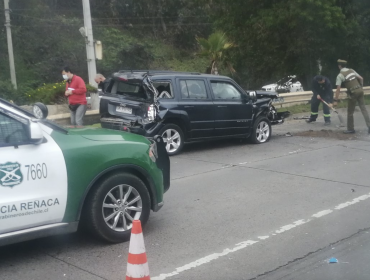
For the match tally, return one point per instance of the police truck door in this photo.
(33, 177)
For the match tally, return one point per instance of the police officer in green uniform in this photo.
(322, 89)
(353, 82)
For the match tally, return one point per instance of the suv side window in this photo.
(193, 89)
(225, 91)
(164, 88)
(12, 132)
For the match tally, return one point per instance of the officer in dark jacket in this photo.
(321, 88)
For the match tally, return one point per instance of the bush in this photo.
(52, 93)
(8, 93)
(48, 94)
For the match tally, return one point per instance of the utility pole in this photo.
(10, 44)
(90, 51)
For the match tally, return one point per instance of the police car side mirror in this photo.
(36, 133)
(40, 110)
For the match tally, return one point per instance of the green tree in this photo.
(282, 37)
(215, 48)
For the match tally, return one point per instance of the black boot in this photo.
(310, 120)
(349, 132)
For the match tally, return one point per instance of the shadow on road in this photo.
(218, 144)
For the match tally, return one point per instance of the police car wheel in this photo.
(113, 204)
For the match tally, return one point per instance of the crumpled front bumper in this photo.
(279, 117)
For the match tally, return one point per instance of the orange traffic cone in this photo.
(137, 264)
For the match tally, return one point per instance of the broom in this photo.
(339, 116)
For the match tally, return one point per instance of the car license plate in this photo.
(124, 110)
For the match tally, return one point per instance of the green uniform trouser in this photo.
(355, 97)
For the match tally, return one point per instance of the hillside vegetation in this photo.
(270, 39)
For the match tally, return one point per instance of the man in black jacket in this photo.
(102, 82)
(321, 88)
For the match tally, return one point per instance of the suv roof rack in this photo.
(157, 72)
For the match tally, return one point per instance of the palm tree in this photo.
(215, 47)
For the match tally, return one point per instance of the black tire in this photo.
(173, 127)
(93, 216)
(255, 136)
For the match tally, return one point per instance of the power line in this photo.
(59, 22)
(136, 17)
(115, 25)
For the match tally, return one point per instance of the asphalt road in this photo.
(236, 211)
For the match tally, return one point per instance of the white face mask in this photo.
(65, 77)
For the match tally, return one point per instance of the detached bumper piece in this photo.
(279, 117)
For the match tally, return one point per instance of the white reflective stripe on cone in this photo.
(137, 244)
(137, 270)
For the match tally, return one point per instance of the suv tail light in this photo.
(151, 113)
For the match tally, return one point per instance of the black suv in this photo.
(186, 107)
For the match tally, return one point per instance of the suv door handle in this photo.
(189, 106)
(221, 106)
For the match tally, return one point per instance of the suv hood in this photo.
(101, 134)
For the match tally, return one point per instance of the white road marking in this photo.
(354, 201)
(322, 213)
(206, 259)
(290, 226)
(245, 244)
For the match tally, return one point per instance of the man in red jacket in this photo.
(76, 93)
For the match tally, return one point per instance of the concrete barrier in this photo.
(90, 118)
(53, 109)
(296, 98)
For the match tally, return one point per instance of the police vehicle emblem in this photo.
(10, 174)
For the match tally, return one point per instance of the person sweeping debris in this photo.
(322, 89)
(353, 82)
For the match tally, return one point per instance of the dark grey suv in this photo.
(186, 107)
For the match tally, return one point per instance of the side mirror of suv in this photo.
(252, 95)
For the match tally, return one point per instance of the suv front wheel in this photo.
(261, 130)
(173, 137)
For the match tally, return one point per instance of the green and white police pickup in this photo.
(53, 179)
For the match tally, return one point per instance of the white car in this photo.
(285, 85)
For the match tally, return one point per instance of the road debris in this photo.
(333, 260)
(301, 118)
(288, 134)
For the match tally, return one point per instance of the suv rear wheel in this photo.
(261, 130)
(173, 137)
(113, 204)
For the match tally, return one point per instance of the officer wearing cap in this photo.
(353, 82)
(321, 88)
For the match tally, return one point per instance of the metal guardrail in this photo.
(296, 98)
